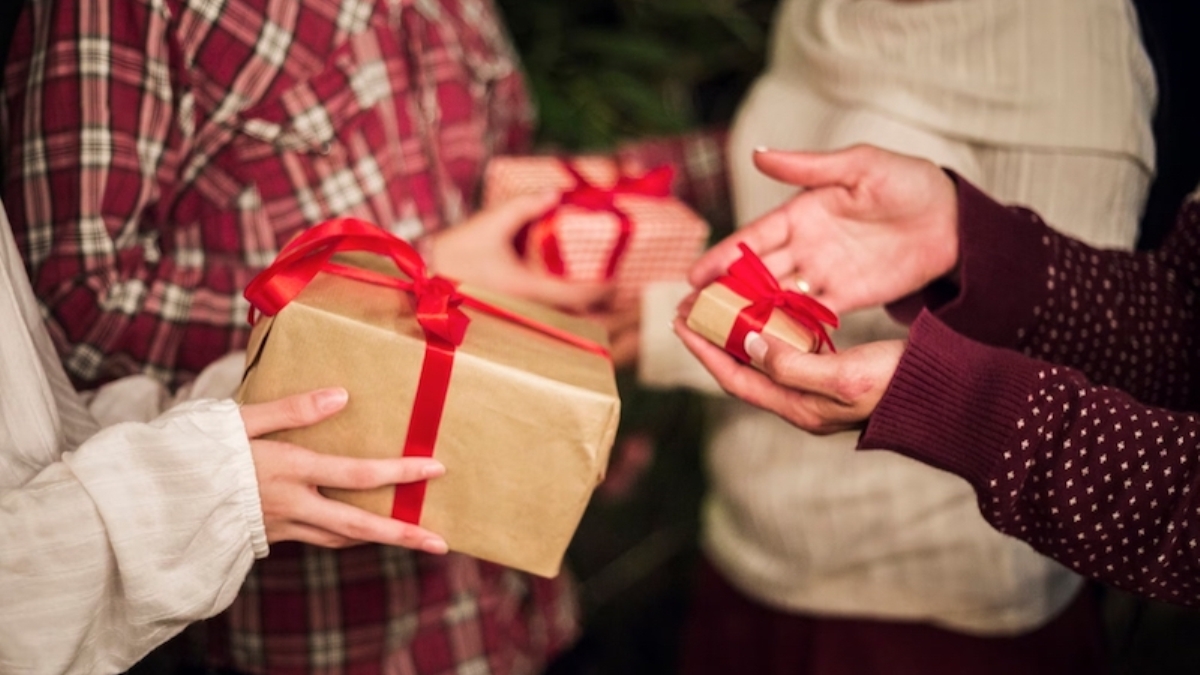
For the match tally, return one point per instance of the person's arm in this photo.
(116, 546)
(1084, 473)
(122, 543)
(1124, 319)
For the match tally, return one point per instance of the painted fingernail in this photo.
(329, 400)
(434, 545)
(756, 347)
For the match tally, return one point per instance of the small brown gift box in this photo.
(526, 428)
(747, 299)
(581, 239)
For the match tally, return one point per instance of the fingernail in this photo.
(433, 470)
(762, 148)
(755, 347)
(434, 545)
(329, 400)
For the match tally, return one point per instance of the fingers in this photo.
(738, 380)
(764, 236)
(790, 367)
(512, 214)
(624, 348)
(352, 473)
(686, 304)
(291, 412)
(816, 169)
(310, 535)
(807, 410)
(288, 481)
(573, 296)
(356, 525)
(618, 320)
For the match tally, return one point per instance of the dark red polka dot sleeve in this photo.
(1061, 382)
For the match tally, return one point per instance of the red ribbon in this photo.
(750, 278)
(438, 313)
(588, 195)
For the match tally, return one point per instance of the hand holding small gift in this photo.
(870, 227)
(479, 252)
(607, 223)
(745, 316)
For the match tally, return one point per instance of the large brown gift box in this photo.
(581, 238)
(527, 424)
(747, 298)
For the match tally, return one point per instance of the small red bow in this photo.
(588, 195)
(750, 278)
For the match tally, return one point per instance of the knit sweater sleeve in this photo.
(1093, 462)
(1125, 319)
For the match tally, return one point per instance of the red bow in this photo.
(437, 311)
(587, 195)
(750, 278)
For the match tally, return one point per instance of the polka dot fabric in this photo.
(1077, 410)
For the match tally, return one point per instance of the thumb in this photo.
(512, 214)
(291, 412)
(788, 366)
(815, 169)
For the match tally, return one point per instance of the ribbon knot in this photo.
(750, 278)
(587, 195)
(438, 312)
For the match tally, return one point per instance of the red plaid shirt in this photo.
(158, 152)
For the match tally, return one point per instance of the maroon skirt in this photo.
(726, 633)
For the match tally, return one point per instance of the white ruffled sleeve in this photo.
(124, 541)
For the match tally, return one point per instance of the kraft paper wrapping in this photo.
(717, 307)
(667, 236)
(528, 423)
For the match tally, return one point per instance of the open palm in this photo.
(869, 227)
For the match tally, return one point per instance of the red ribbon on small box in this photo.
(438, 312)
(588, 195)
(750, 278)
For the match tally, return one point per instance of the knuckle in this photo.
(361, 474)
(298, 409)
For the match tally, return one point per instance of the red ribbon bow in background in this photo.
(587, 195)
(438, 312)
(750, 278)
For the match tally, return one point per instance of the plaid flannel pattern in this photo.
(157, 155)
(159, 152)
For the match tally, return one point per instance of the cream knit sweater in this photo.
(1042, 102)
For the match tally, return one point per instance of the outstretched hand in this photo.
(288, 478)
(480, 251)
(870, 227)
(821, 393)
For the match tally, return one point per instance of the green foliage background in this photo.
(605, 70)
